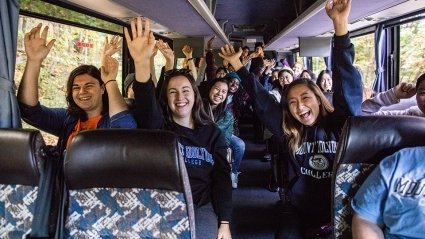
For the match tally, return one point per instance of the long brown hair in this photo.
(199, 115)
(292, 128)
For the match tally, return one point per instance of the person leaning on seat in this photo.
(391, 201)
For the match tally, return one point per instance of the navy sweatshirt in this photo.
(204, 150)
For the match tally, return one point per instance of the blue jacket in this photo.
(59, 122)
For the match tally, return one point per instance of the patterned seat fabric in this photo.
(137, 188)
(127, 213)
(364, 142)
(20, 160)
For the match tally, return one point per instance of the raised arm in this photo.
(267, 109)
(36, 50)
(153, 73)
(141, 45)
(390, 97)
(188, 52)
(168, 53)
(109, 74)
(348, 87)
(147, 111)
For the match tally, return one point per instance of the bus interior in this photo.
(290, 30)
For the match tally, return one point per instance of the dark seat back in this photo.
(364, 142)
(21, 164)
(128, 184)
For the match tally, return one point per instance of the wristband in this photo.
(108, 82)
(224, 222)
(190, 59)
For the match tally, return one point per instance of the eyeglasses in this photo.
(177, 72)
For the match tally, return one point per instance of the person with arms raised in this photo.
(308, 129)
(201, 142)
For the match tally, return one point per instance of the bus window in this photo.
(318, 65)
(365, 57)
(74, 46)
(412, 51)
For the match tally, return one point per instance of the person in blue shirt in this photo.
(391, 202)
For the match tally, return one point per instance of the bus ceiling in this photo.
(277, 23)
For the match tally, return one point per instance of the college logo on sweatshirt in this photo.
(195, 155)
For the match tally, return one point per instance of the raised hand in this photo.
(35, 43)
(109, 70)
(168, 53)
(141, 43)
(165, 49)
(228, 53)
(404, 90)
(113, 46)
(338, 11)
(187, 51)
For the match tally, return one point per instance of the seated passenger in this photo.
(324, 81)
(215, 106)
(391, 202)
(285, 77)
(201, 143)
(307, 74)
(401, 91)
(297, 68)
(309, 127)
(94, 100)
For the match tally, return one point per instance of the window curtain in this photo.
(380, 84)
(9, 17)
(328, 62)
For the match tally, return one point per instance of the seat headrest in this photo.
(123, 158)
(21, 157)
(368, 139)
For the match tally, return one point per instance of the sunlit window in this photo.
(412, 51)
(318, 65)
(365, 57)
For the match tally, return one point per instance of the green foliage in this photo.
(38, 6)
(365, 57)
(62, 59)
(412, 51)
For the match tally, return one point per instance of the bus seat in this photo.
(126, 183)
(364, 142)
(21, 164)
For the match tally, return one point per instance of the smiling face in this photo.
(221, 73)
(305, 75)
(233, 85)
(420, 96)
(245, 52)
(218, 93)
(180, 97)
(285, 78)
(87, 94)
(298, 68)
(326, 83)
(303, 104)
